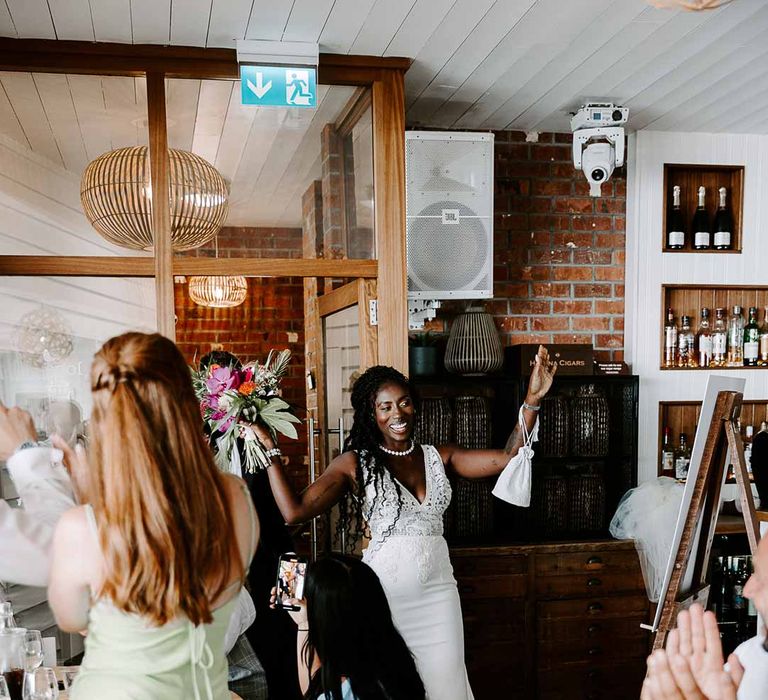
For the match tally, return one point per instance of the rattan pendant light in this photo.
(693, 5)
(116, 194)
(218, 292)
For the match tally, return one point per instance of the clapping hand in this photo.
(691, 667)
(541, 376)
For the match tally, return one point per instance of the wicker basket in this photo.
(590, 423)
(434, 425)
(586, 502)
(553, 427)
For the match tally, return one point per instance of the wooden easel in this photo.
(705, 505)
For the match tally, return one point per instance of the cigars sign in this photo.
(570, 359)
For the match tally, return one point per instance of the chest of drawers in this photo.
(553, 621)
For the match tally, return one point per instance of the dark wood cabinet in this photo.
(553, 621)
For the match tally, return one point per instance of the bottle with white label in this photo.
(682, 458)
(704, 340)
(667, 452)
(686, 355)
(748, 433)
(723, 223)
(764, 340)
(675, 223)
(700, 225)
(751, 339)
(719, 339)
(670, 339)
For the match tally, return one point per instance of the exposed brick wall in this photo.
(558, 253)
(272, 316)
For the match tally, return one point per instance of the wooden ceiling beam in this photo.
(105, 58)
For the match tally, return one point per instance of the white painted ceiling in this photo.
(483, 64)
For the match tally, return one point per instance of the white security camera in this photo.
(598, 142)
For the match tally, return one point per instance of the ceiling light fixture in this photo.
(116, 193)
(692, 5)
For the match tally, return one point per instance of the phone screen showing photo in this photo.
(290, 579)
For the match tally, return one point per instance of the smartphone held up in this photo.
(291, 571)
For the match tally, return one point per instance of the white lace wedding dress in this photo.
(411, 559)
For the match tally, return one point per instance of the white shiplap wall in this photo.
(648, 268)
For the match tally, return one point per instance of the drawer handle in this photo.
(590, 630)
(594, 651)
(595, 561)
(594, 582)
(594, 607)
(593, 674)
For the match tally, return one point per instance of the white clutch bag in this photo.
(514, 483)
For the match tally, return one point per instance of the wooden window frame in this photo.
(383, 76)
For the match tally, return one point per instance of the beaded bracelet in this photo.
(531, 408)
(274, 452)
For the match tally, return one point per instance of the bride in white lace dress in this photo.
(400, 490)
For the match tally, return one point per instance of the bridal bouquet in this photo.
(229, 395)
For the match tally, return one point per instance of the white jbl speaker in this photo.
(449, 214)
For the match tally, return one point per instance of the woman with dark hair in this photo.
(348, 647)
(396, 492)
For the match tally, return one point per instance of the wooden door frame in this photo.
(383, 76)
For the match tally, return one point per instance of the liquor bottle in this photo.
(751, 339)
(719, 339)
(704, 340)
(740, 576)
(675, 223)
(700, 225)
(686, 357)
(748, 433)
(723, 224)
(682, 458)
(726, 591)
(764, 340)
(736, 338)
(667, 452)
(670, 339)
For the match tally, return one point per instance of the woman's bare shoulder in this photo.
(346, 464)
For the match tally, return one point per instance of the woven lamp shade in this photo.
(117, 198)
(217, 291)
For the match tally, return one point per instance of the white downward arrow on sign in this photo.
(259, 89)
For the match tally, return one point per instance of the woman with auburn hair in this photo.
(152, 565)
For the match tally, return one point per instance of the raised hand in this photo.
(16, 427)
(541, 376)
(75, 462)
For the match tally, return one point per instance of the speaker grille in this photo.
(449, 213)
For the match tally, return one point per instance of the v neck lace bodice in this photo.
(415, 519)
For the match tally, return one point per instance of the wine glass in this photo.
(5, 694)
(33, 650)
(40, 684)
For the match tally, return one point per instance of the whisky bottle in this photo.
(736, 338)
(751, 339)
(667, 452)
(670, 339)
(764, 340)
(719, 339)
(704, 340)
(682, 458)
(686, 357)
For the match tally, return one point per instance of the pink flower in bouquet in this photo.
(222, 379)
(248, 374)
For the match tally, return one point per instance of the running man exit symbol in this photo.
(278, 86)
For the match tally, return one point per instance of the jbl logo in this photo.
(450, 216)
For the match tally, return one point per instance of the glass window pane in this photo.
(283, 166)
(50, 328)
(358, 188)
(51, 128)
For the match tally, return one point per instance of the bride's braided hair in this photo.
(364, 438)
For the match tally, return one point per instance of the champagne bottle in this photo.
(670, 339)
(700, 225)
(723, 223)
(675, 224)
(704, 340)
(751, 339)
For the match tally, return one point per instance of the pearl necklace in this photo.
(396, 453)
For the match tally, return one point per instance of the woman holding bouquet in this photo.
(399, 490)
